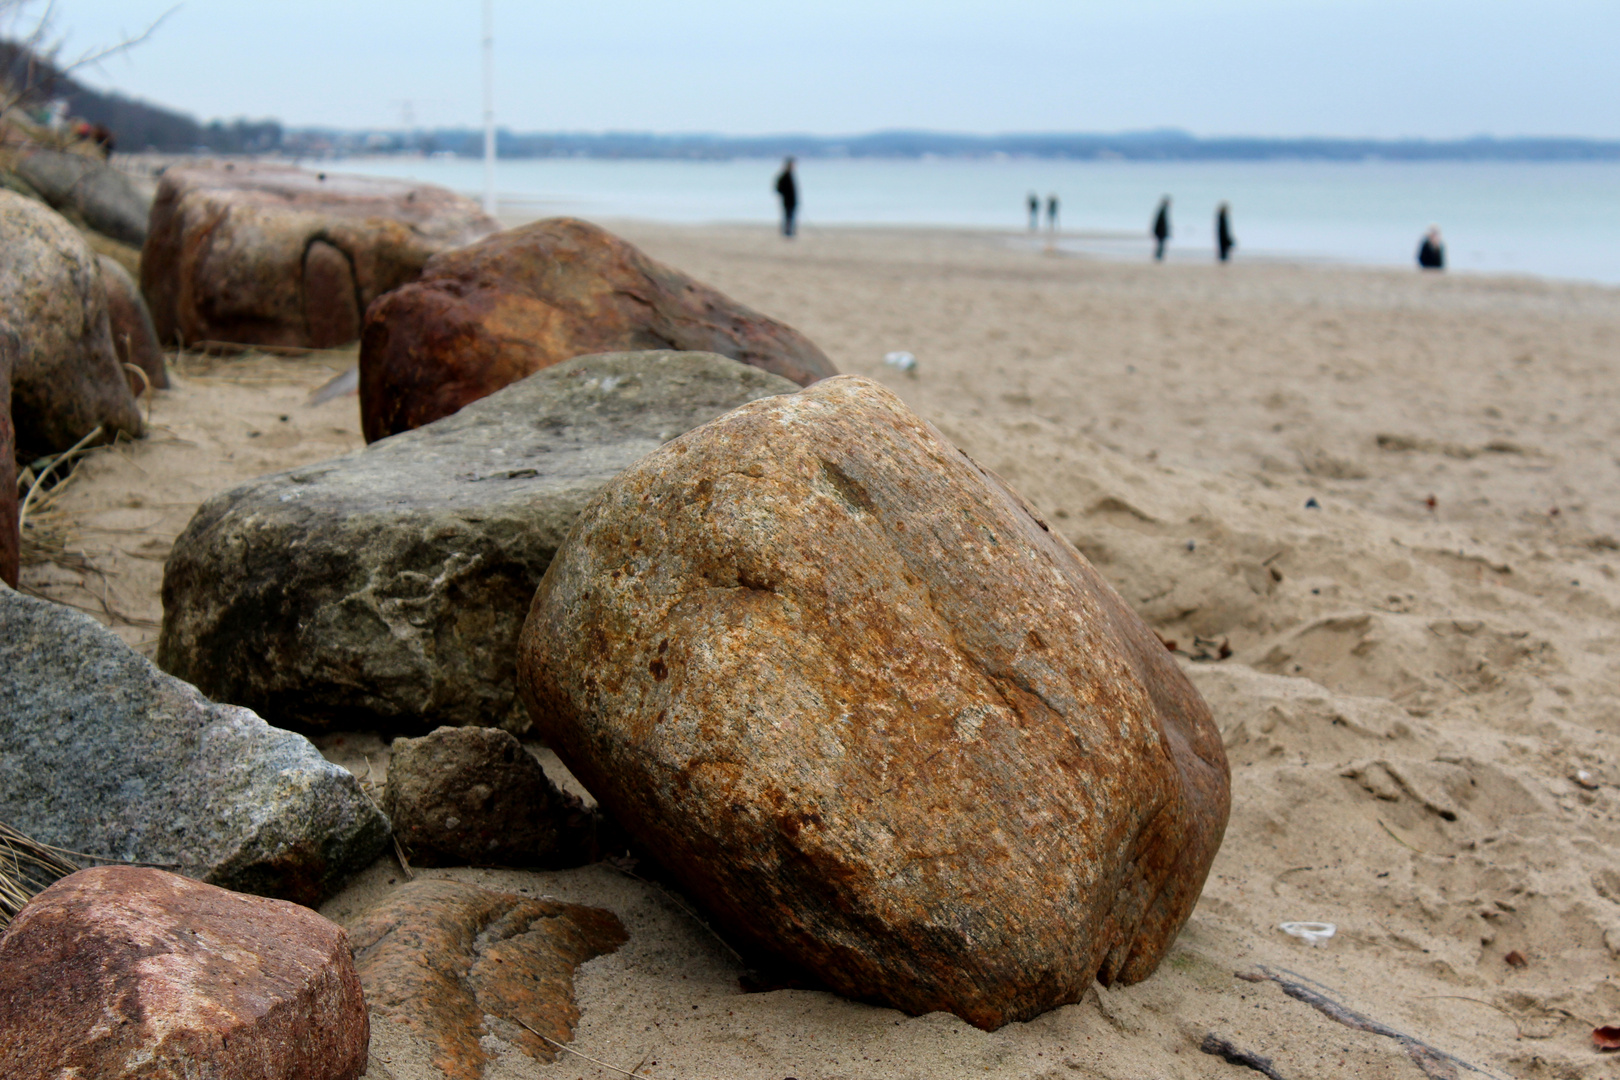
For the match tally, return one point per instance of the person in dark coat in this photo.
(1223, 232)
(1034, 212)
(1432, 252)
(788, 189)
(1161, 228)
(1051, 213)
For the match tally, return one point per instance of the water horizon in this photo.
(1558, 220)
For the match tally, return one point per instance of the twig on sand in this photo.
(404, 863)
(576, 1053)
(1216, 1046)
(1397, 839)
(1435, 1064)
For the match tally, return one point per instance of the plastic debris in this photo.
(1312, 933)
(902, 361)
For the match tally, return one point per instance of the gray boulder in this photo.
(68, 378)
(89, 190)
(386, 588)
(102, 753)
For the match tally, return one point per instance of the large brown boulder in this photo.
(258, 254)
(489, 314)
(874, 715)
(10, 534)
(134, 338)
(121, 973)
(52, 293)
(453, 963)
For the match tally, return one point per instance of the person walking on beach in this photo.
(1432, 252)
(1052, 213)
(1223, 232)
(1161, 228)
(788, 189)
(1034, 212)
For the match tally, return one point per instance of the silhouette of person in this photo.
(788, 189)
(1432, 252)
(1161, 228)
(1051, 213)
(1034, 212)
(1223, 232)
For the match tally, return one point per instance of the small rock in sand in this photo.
(473, 796)
(386, 588)
(67, 378)
(874, 715)
(448, 961)
(102, 753)
(487, 315)
(124, 973)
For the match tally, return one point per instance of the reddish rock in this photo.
(10, 537)
(127, 972)
(875, 715)
(447, 960)
(257, 254)
(489, 314)
(133, 336)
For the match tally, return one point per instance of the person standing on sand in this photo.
(1161, 228)
(1223, 232)
(788, 189)
(1432, 252)
(1034, 212)
(1052, 213)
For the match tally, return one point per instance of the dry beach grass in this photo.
(1393, 498)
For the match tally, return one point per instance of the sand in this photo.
(1420, 702)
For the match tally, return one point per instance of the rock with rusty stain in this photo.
(67, 378)
(454, 963)
(120, 973)
(262, 254)
(134, 338)
(386, 588)
(874, 714)
(10, 535)
(487, 315)
(472, 796)
(101, 752)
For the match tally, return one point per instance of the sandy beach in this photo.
(1376, 513)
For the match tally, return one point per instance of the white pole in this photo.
(489, 107)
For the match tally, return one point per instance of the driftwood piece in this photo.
(1435, 1064)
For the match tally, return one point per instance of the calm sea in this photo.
(1557, 220)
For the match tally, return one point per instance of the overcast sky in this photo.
(1437, 68)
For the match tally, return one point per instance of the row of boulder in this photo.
(860, 701)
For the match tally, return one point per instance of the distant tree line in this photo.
(135, 124)
(1129, 146)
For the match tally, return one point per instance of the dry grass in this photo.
(27, 867)
(48, 530)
